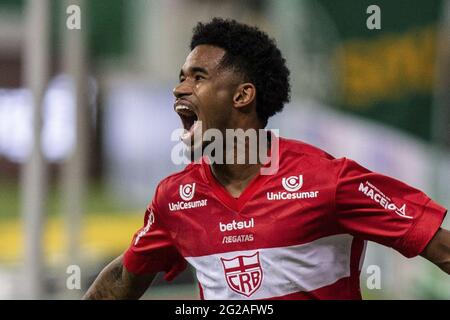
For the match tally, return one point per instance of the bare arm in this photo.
(116, 283)
(438, 250)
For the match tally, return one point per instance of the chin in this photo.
(194, 149)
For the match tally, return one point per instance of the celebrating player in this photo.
(298, 233)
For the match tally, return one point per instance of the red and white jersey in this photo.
(298, 234)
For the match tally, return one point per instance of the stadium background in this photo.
(380, 97)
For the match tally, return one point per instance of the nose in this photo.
(182, 89)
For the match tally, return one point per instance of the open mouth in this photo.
(187, 115)
(192, 125)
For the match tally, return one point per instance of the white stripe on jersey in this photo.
(363, 255)
(286, 270)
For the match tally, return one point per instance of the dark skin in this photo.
(210, 90)
(115, 282)
(220, 99)
(438, 250)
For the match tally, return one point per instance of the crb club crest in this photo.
(292, 183)
(187, 191)
(243, 273)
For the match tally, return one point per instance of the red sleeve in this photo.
(382, 209)
(152, 249)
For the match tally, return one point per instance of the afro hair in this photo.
(252, 53)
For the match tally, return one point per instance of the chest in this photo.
(274, 215)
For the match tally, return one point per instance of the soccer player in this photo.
(299, 233)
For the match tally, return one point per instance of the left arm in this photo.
(438, 250)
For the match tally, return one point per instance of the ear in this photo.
(244, 95)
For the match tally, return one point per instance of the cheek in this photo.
(223, 98)
(213, 98)
(216, 103)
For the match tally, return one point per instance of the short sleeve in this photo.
(378, 208)
(152, 249)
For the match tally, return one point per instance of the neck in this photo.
(234, 173)
(236, 176)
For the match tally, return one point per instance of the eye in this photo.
(182, 79)
(199, 77)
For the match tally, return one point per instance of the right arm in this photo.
(151, 251)
(115, 282)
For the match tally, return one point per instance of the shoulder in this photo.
(190, 174)
(295, 148)
(296, 153)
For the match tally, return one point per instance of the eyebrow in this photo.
(194, 70)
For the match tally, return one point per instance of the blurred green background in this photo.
(378, 96)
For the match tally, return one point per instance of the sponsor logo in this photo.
(150, 221)
(236, 225)
(384, 201)
(180, 205)
(291, 185)
(238, 239)
(187, 192)
(243, 273)
(288, 196)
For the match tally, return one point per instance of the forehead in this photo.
(204, 56)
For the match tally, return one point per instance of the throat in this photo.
(235, 178)
(235, 190)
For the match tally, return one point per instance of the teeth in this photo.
(182, 107)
